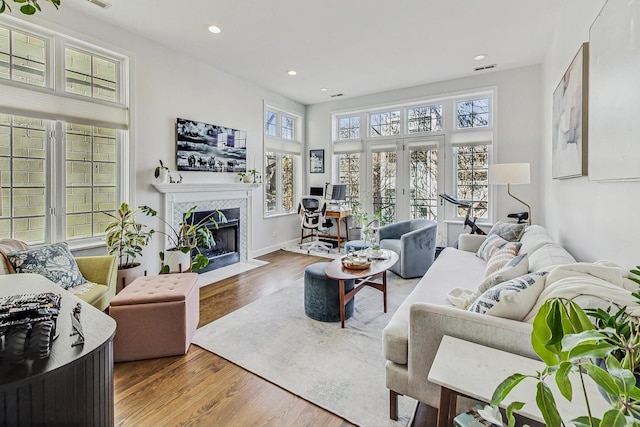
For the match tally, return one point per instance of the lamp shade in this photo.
(509, 173)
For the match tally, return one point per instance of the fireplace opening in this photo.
(226, 235)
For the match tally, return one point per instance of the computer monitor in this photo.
(316, 191)
(339, 192)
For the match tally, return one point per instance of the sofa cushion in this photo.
(500, 258)
(512, 299)
(549, 255)
(508, 230)
(533, 238)
(54, 262)
(453, 268)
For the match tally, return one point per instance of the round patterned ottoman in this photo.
(322, 295)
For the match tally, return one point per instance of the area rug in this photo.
(341, 370)
(296, 248)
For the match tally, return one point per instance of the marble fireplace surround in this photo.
(178, 198)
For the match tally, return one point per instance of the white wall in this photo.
(517, 112)
(167, 85)
(593, 220)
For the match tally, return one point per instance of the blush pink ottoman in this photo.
(156, 316)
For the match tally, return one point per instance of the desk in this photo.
(340, 215)
(472, 370)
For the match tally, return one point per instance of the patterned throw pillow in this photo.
(501, 257)
(54, 262)
(508, 230)
(491, 244)
(518, 266)
(513, 299)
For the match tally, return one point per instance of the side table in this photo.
(463, 368)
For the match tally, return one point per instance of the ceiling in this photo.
(353, 47)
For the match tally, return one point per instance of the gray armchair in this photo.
(414, 241)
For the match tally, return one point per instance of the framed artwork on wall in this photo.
(570, 119)
(316, 161)
(201, 147)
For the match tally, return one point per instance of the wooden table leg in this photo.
(384, 289)
(338, 235)
(341, 303)
(443, 410)
(346, 226)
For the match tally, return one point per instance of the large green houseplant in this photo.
(126, 238)
(606, 349)
(186, 237)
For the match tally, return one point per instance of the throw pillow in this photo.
(513, 299)
(501, 257)
(518, 266)
(492, 243)
(508, 230)
(54, 262)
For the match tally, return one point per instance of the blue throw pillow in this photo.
(55, 262)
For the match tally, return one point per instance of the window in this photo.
(384, 185)
(279, 174)
(60, 176)
(90, 179)
(91, 75)
(472, 113)
(423, 183)
(472, 184)
(384, 124)
(283, 153)
(349, 174)
(349, 127)
(23, 57)
(424, 119)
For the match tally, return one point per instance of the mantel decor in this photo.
(570, 119)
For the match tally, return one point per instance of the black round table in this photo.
(74, 386)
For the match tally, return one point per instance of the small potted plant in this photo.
(163, 173)
(244, 177)
(254, 174)
(187, 238)
(126, 237)
(607, 350)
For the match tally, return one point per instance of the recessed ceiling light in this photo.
(479, 57)
(323, 89)
(292, 72)
(214, 29)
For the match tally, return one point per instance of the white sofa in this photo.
(412, 337)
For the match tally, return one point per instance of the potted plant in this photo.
(162, 172)
(569, 343)
(254, 174)
(187, 238)
(126, 237)
(244, 177)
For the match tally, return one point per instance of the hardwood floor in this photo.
(201, 388)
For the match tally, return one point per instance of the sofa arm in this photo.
(102, 270)
(470, 242)
(428, 323)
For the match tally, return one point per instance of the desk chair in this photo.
(311, 210)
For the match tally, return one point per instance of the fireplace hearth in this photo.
(226, 235)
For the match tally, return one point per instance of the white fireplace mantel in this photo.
(203, 187)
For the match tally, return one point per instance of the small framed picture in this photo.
(316, 161)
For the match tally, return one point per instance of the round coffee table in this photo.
(368, 277)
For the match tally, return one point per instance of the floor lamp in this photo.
(511, 173)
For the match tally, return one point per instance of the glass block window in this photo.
(23, 57)
(90, 75)
(349, 127)
(472, 184)
(288, 127)
(270, 123)
(423, 183)
(472, 113)
(91, 179)
(23, 162)
(424, 119)
(349, 174)
(384, 123)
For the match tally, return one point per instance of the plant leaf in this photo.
(27, 9)
(613, 418)
(515, 406)
(579, 318)
(586, 422)
(563, 381)
(624, 378)
(505, 387)
(591, 350)
(602, 378)
(541, 334)
(547, 405)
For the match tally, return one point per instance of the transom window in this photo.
(270, 123)
(288, 127)
(472, 113)
(424, 119)
(91, 75)
(384, 123)
(349, 127)
(23, 57)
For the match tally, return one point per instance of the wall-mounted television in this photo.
(202, 147)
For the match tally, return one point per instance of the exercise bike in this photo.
(471, 223)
